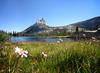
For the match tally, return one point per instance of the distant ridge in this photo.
(41, 26)
(90, 24)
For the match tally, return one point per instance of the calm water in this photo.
(38, 39)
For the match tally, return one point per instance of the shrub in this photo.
(4, 37)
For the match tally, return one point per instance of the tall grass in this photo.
(67, 57)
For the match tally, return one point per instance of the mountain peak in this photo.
(41, 21)
(39, 26)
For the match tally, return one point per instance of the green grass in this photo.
(67, 57)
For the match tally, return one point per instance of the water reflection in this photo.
(37, 39)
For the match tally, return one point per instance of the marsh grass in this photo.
(65, 57)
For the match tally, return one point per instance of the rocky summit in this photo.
(39, 27)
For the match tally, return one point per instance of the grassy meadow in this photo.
(64, 57)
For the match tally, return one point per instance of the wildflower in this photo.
(24, 53)
(17, 50)
(44, 55)
(21, 52)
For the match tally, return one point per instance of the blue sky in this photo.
(17, 15)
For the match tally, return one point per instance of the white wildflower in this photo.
(44, 55)
(21, 52)
(24, 53)
(17, 50)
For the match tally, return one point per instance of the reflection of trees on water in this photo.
(39, 39)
